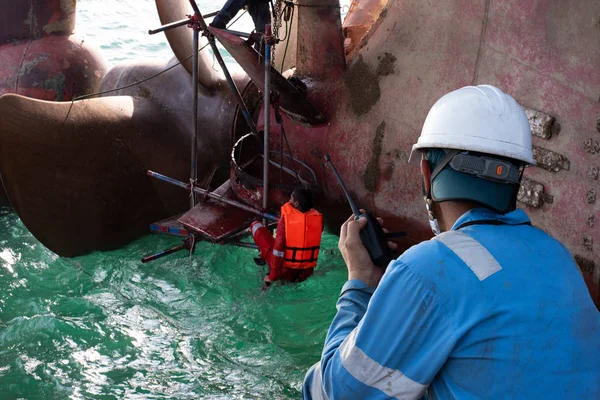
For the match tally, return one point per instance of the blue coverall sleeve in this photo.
(390, 343)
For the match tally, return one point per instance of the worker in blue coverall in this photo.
(258, 10)
(490, 308)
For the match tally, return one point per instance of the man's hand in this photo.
(355, 254)
(266, 282)
(257, 37)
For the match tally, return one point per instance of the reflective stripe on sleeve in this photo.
(471, 252)
(255, 227)
(368, 371)
(277, 253)
(316, 385)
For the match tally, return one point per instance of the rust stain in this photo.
(363, 85)
(302, 53)
(588, 243)
(591, 146)
(389, 171)
(68, 5)
(585, 264)
(144, 92)
(386, 64)
(58, 85)
(372, 173)
(62, 26)
(590, 196)
(31, 21)
(28, 66)
(398, 154)
(547, 198)
(64, 22)
(22, 62)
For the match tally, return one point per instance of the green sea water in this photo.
(105, 326)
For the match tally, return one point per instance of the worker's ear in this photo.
(426, 171)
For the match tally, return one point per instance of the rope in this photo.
(130, 85)
(228, 26)
(236, 20)
(192, 193)
(143, 80)
(287, 19)
(79, 267)
(287, 33)
(290, 152)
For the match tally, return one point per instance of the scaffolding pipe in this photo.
(163, 253)
(243, 244)
(211, 195)
(238, 33)
(267, 101)
(194, 163)
(177, 24)
(230, 82)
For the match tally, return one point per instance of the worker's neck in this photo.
(448, 212)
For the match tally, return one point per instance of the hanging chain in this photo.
(277, 17)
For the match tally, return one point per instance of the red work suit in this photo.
(272, 250)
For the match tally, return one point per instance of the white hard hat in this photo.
(477, 118)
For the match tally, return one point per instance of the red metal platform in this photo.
(216, 221)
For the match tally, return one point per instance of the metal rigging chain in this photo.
(277, 16)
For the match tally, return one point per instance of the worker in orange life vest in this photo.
(292, 255)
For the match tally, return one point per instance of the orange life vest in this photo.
(302, 237)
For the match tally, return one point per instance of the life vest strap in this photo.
(313, 257)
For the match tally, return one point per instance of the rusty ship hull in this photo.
(372, 80)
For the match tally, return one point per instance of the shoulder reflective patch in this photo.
(471, 252)
(390, 381)
(316, 385)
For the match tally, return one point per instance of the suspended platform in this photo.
(223, 215)
(212, 220)
(216, 221)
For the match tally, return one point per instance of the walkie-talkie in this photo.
(372, 236)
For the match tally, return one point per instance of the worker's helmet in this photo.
(476, 140)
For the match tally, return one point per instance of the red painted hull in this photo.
(39, 58)
(539, 51)
(36, 18)
(55, 68)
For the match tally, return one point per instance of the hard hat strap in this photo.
(489, 168)
(443, 162)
